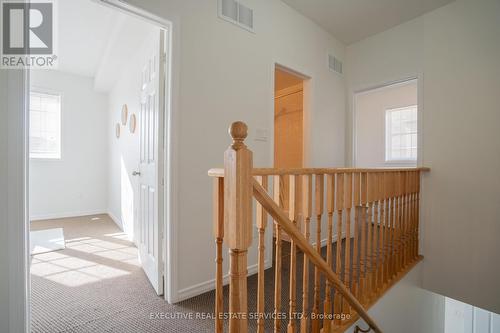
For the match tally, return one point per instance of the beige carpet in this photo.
(97, 285)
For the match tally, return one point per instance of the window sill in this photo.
(401, 163)
(45, 159)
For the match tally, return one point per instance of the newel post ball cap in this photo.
(238, 131)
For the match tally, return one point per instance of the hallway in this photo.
(97, 285)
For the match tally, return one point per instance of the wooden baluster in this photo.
(398, 221)
(415, 213)
(392, 184)
(284, 194)
(218, 219)
(307, 212)
(394, 220)
(412, 216)
(355, 256)
(363, 285)
(261, 222)
(347, 260)
(238, 191)
(390, 233)
(412, 219)
(369, 250)
(406, 219)
(415, 228)
(380, 242)
(376, 225)
(386, 189)
(318, 204)
(330, 187)
(417, 218)
(381, 230)
(293, 213)
(277, 262)
(403, 220)
(337, 307)
(409, 231)
(376, 230)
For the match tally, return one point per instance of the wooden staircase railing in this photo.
(371, 225)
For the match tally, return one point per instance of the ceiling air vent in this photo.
(335, 64)
(234, 12)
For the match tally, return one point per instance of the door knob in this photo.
(136, 173)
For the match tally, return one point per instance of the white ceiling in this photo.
(97, 41)
(84, 28)
(353, 20)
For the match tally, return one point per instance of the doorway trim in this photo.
(307, 107)
(18, 88)
(385, 84)
(170, 144)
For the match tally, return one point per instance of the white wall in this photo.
(223, 73)
(4, 236)
(218, 82)
(370, 123)
(76, 184)
(124, 152)
(465, 318)
(455, 50)
(386, 57)
(408, 308)
(13, 212)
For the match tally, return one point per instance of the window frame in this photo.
(46, 91)
(388, 134)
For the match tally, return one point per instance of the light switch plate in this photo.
(261, 134)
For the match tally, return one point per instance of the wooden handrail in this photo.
(270, 206)
(219, 172)
(371, 215)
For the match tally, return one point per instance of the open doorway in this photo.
(288, 119)
(289, 115)
(386, 131)
(97, 146)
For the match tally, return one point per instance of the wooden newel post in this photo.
(238, 222)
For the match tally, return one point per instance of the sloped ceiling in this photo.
(83, 29)
(97, 41)
(353, 20)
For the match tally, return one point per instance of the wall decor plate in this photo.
(117, 130)
(124, 114)
(133, 123)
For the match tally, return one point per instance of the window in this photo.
(45, 125)
(401, 134)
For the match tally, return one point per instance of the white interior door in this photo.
(150, 196)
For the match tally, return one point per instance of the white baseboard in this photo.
(67, 214)
(209, 285)
(119, 224)
(115, 219)
(325, 241)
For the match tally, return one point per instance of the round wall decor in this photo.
(124, 114)
(117, 130)
(133, 123)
